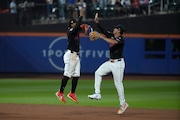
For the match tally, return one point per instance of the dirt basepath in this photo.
(58, 112)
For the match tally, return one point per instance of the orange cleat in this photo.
(60, 96)
(72, 96)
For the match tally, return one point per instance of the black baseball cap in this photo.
(120, 27)
(71, 21)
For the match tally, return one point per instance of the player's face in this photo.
(115, 31)
(73, 25)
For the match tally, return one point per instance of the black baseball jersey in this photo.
(73, 36)
(116, 51)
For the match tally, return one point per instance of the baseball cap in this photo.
(120, 27)
(72, 21)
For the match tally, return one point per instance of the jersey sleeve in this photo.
(79, 23)
(108, 34)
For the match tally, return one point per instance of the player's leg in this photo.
(68, 67)
(118, 73)
(60, 92)
(75, 79)
(76, 75)
(104, 69)
(72, 94)
(66, 74)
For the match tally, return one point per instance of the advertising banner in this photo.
(45, 54)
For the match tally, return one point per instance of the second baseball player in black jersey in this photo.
(115, 64)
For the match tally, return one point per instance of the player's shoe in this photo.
(122, 108)
(60, 96)
(95, 96)
(73, 97)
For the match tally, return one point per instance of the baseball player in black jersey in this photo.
(71, 60)
(115, 64)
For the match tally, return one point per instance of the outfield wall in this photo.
(43, 53)
(152, 45)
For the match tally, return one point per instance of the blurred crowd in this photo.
(66, 9)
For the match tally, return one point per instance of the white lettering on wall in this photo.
(52, 53)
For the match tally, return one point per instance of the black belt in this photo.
(115, 60)
(74, 52)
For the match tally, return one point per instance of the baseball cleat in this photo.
(95, 96)
(122, 108)
(72, 96)
(60, 96)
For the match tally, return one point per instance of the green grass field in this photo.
(154, 94)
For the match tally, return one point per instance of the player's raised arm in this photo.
(96, 19)
(102, 30)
